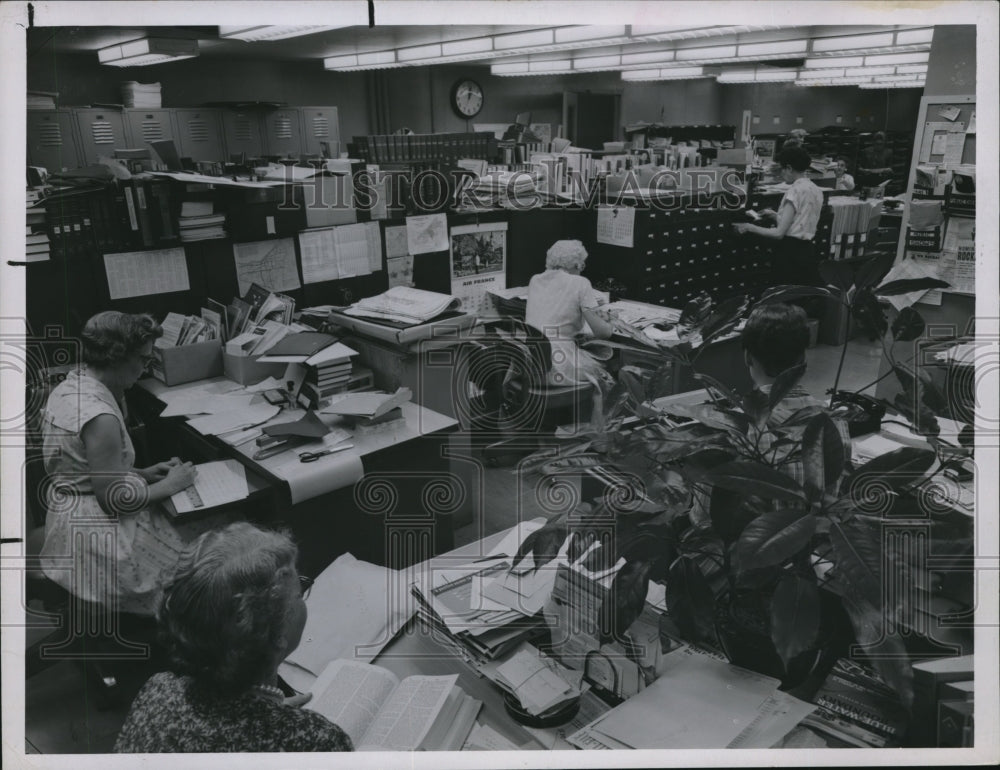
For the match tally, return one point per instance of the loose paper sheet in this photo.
(354, 610)
(216, 483)
(269, 263)
(616, 225)
(400, 271)
(396, 244)
(140, 273)
(426, 234)
(478, 264)
(319, 262)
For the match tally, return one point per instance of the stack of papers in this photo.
(404, 305)
(141, 95)
(450, 602)
(540, 683)
(198, 221)
(230, 421)
(697, 703)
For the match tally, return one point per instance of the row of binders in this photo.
(393, 148)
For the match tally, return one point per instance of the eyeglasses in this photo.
(305, 585)
(147, 361)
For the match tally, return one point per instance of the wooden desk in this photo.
(395, 509)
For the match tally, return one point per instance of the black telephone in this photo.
(864, 412)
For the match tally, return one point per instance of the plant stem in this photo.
(840, 365)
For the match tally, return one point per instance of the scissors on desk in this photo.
(311, 457)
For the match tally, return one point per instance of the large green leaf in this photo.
(728, 513)
(906, 285)
(543, 544)
(822, 455)
(909, 325)
(717, 390)
(625, 600)
(710, 415)
(726, 314)
(784, 383)
(872, 271)
(790, 293)
(690, 601)
(632, 378)
(795, 612)
(756, 406)
(753, 478)
(859, 558)
(885, 651)
(775, 536)
(896, 470)
(697, 309)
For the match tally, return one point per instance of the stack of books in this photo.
(199, 222)
(327, 362)
(142, 95)
(36, 239)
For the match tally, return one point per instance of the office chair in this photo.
(501, 393)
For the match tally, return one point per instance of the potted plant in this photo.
(768, 541)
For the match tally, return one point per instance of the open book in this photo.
(382, 713)
(405, 305)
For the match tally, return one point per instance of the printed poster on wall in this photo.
(478, 264)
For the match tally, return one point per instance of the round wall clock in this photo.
(467, 97)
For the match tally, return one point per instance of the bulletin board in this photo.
(938, 228)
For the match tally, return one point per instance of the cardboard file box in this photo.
(186, 363)
(248, 370)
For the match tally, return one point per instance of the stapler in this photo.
(268, 446)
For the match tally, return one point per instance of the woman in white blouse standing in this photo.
(795, 257)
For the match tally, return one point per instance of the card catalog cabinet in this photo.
(52, 140)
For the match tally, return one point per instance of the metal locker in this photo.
(320, 125)
(283, 133)
(199, 134)
(52, 142)
(241, 131)
(146, 125)
(101, 132)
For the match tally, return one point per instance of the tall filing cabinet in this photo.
(52, 141)
(101, 132)
(241, 129)
(199, 134)
(283, 132)
(148, 125)
(320, 124)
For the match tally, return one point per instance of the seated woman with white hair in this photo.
(232, 612)
(559, 301)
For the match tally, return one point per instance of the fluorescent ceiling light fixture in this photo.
(835, 61)
(920, 69)
(847, 43)
(862, 72)
(711, 52)
(510, 68)
(147, 50)
(658, 33)
(669, 73)
(524, 39)
(899, 58)
(472, 45)
(820, 74)
(651, 57)
(597, 62)
(898, 78)
(559, 65)
(413, 53)
(770, 49)
(377, 57)
(576, 34)
(758, 75)
(256, 33)
(911, 36)
(909, 84)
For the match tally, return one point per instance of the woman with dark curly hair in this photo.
(232, 612)
(106, 541)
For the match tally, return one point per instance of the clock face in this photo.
(467, 98)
